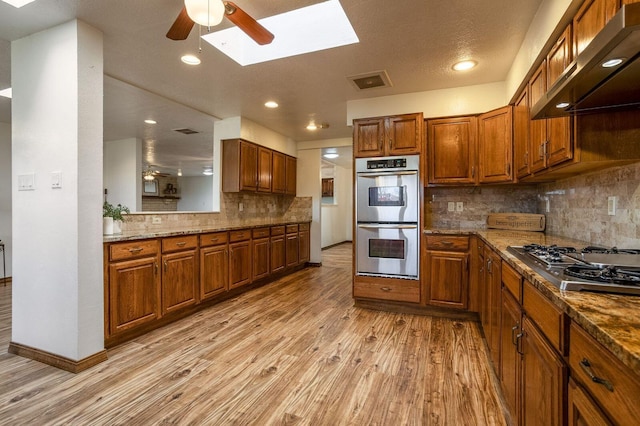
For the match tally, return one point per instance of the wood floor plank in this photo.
(295, 352)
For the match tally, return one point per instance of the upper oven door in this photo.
(387, 196)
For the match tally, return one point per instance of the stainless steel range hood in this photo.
(586, 85)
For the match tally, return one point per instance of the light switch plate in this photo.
(27, 182)
(451, 206)
(611, 206)
(56, 180)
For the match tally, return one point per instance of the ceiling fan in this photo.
(151, 174)
(209, 13)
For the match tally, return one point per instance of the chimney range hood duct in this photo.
(587, 86)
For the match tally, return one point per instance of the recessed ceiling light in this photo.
(271, 104)
(464, 65)
(612, 62)
(312, 126)
(190, 60)
(321, 26)
(17, 3)
(562, 105)
(331, 155)
(149, 121)
(207, 171)
(6, 93)
(179, 172)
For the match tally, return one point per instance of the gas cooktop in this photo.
(592, 268)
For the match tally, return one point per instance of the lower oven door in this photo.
(388, 250)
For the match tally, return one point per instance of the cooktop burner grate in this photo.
(609, 274)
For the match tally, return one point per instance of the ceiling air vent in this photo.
(186, 131)
(371, 80)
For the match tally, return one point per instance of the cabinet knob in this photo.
(586, 366)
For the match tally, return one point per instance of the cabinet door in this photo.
(239, 264)
(278, 256)
(521, 134)
(248, 167)
(448, 279)
(214, 276)
(509, 356)
(495, 146)
(304, 241)
(278, 173)
(404, 134)
(291, 170)
(293, 248)
(134, 293)
(368, 137)
(491, 320)
(589, 20)
(451, 150)
(538, 128)
(582, 410)
(264, 169)
(559, 133)
(260, 258)
(179, 280)
(544, 378)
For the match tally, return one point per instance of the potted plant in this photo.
(112, 218)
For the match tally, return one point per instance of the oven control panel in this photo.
(387, 163)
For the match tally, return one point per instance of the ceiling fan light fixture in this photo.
(207, 13)
(190, 60)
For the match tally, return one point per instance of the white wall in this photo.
(310, 185)
(195, 193)
(337, 222)
(254, 132)
(57, 80)
(5, 193)
(432, 103)
(123, 172)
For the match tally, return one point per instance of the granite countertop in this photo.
(613, 320)
(141, 235)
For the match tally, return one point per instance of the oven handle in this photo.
(386, 226)
(380, 174)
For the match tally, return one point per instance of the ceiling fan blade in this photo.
(181, 27)
(247, 24)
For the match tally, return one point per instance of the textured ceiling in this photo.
(415, 41)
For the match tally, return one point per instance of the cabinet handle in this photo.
(540, 150)
(181, 243)
(473, 172)
(165, 266)
(586, 366)
(489, 266)
(546, 149)
(526, 158)
(513, 334)
(391, 143)
(518, 340)
(134, 250)
(446, 243)
(509, 168)
(155, 265)
(385, 289)
(214, 240)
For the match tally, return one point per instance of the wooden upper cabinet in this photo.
(248, 166)
(451, 150)
(291, 170)
(264, 169)
(589, 20)
(559, 57)
(368, 137)
(278, 176)
(404, 134)
(393, 135)
(521, 144)
(495, 146)
(537, 128)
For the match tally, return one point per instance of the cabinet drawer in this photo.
(182, 242)
(292, 228)
(588, 357)
(133, 249)
(546, 315)
(387, 289)
(512, 281)
(241, 235)
(447, 242)
(277, 230)
(260, 233)
(304, 227)
(213, 239)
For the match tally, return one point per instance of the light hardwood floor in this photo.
(293, 352)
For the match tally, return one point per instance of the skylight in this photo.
(309, 29)
(17, 3)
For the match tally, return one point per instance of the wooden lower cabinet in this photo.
(544, 379)
(278, 249)
(510, 360)
(292, 246)
(582, 410)
(491, 300)
(448, 279)
(179, 280)
(239, 263)
(261, 267)
(214, 271)
(134, 293)
(304, 241)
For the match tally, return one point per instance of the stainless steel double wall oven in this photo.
(387, 217)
